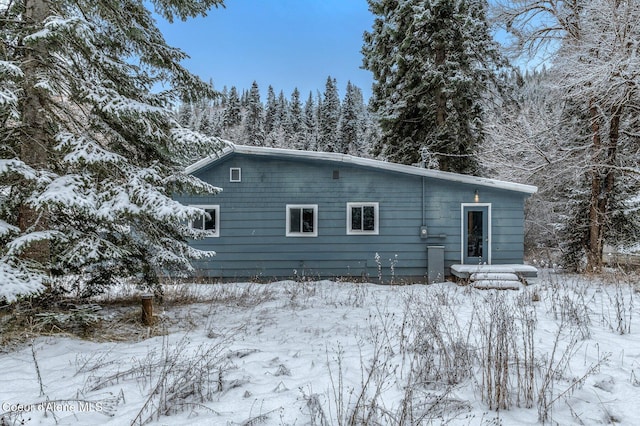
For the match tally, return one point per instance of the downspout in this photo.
(423, 205)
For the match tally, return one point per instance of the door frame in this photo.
(464, 207)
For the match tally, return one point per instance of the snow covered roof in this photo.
(358, 161)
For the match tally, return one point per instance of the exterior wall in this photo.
(252, 241)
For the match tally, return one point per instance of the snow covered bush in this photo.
(91, 152)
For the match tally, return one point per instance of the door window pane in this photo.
(475, 231)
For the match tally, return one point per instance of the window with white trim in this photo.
(209, 221)
(362, 218)
(235, 174)
(302, 220)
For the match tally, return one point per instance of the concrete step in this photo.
(491, 284)
(465, 271)
(500, 276)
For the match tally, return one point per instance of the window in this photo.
(362, 218)
(210, 224)
(302, 220)
(235, 174)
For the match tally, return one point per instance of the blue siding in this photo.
(252, 241)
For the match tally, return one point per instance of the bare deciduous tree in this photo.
(593, 49)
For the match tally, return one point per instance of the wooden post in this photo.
(147, 308)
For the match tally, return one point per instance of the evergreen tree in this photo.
(286, 123)
(318, 114)
(270, 111)
(233, 109)
(224, 96)
(90, 155)
(254, 121)
(275, 112)
(329, 118)
(278, 135)
(352, 121)
(244, 98)
(371, 134)
(310, 139)
(432, 62)
(207, 125)
(186, 117)
(294, 121)
(282, 110)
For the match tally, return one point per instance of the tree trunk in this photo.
(441, 110)
(594, 246)
(35, 137)
(602, 185)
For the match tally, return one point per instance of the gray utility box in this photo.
(435, 264)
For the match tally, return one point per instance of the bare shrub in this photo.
(361, 405)
(617, 303)
(178, 378)
(497, 332)
(432, 356)
(179, 292)
(228, 294)
(182, 380)
(48, 406)
(574, 311)
(442, 347)
(74, 319)
(357, 295)
(554, 372)
(313, 404)
(506, 330)
(399, 356)
(525, 362)
(567, 302)
(299, 293)
(512, 370)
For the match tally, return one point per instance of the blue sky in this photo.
(283, 43)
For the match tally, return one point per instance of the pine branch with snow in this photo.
(91, 155)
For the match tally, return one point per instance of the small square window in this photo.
(302, 220)
(362, 218)
(235, 174)
(209, 221)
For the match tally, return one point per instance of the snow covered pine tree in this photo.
(329, 117)
(90, 155)
(433, 63)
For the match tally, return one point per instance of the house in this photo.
(287, 213)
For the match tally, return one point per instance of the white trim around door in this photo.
(469, 207)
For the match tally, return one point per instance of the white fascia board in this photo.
(200, 164)
(365, 162)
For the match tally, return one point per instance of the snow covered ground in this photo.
(334, 353)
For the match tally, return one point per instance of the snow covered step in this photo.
(501, 276)
(497, 284)
(465, 271)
